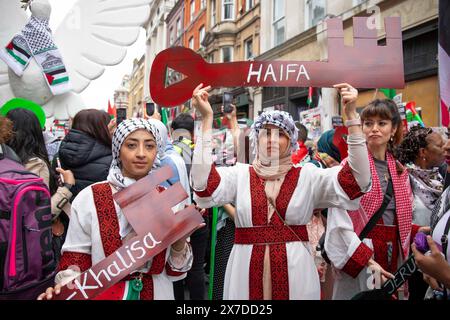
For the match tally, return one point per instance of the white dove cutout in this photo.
(93, 35)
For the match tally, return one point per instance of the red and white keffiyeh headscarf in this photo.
(372, 201)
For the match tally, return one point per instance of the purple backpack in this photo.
(27, 261)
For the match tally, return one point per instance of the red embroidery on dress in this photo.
(82, 261)
(270, 234)
(147, 292)
(279, 272)
(212, 185)
(358, 260)
(107, 218)
(348, 182)
(259, 200)
(284, 197)
(383, 237)
(158, 263)
(256, 291)
(172, 273)
(280, 281)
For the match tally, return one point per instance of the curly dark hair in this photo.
(408, 150)
(5, 129)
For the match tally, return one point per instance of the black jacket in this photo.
(87, 158)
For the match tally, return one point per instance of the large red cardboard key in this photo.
(149, 213)
(364, 65)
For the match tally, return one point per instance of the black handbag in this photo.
(369, 226)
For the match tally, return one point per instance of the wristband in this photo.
(353, 122)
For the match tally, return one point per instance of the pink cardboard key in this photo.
(150, 214)
(364, 65)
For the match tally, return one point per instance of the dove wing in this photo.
(96, 34)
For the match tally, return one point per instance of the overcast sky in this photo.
(102, 89)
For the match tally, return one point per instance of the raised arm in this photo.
(212, 186)
(202, 158)
(358, 158)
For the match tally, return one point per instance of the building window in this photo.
(201, 33)
(192, 12)
(228, 10)
(315, 9)
(171, 36)
(191, 43)
(213, 12)
(227, 54)
(279, 21)
(249, 4)
(202, 4)
(248, 44)
(178, 28)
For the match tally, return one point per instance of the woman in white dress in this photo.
(98, 226)
(274, 201)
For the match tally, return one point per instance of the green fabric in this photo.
(16, 57)
(134, 289)
(164, 116)
(213, 252)
(58, 81)
(389, 93)
(24, 104)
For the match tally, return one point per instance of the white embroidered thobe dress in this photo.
(292, 270)
(94, 234)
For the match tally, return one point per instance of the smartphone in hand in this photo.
(227, 101)
(149, 109)
(121, 115)
(61, 177)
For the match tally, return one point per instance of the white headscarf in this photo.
(278, 169)
(282, 120)
(124, 129)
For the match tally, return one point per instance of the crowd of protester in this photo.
(302, 220)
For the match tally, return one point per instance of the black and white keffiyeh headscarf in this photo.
(281, 119)
(441, 207)
(124, 129)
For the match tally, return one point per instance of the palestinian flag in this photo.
(16, 57)
(56, 76)
(310, 96)
(444, 59)
(111, 110)
(389, 93)
(54, 70)
(412, 115)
